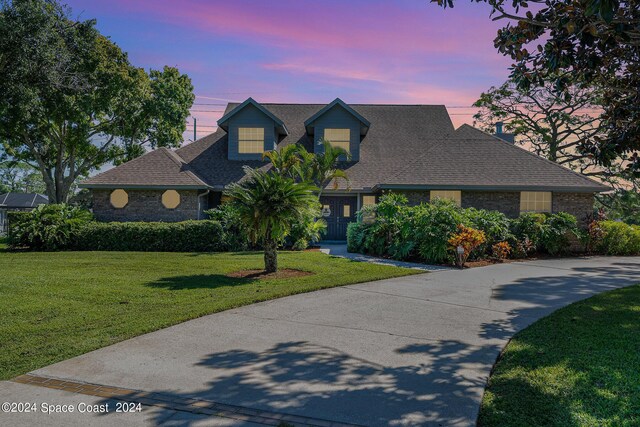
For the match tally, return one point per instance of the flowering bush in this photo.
(501, 250)
(522, 248)
(594, 236)
(467, 238)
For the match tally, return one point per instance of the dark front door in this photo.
(338, 211)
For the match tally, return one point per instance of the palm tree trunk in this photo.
(270, 255)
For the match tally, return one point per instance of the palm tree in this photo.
(287, 160)
(269, 203)
(322, 168)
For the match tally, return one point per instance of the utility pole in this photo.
(194, 129)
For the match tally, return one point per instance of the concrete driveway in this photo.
(409, 351)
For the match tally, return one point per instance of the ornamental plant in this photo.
(468, 239)
(501, 250)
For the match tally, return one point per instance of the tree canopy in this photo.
(71, 101)
(591, 42)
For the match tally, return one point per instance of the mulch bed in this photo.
(284, 273)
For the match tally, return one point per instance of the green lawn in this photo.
(58, 305)
(579, 366)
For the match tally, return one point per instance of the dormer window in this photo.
(250, 140)
(340, 138)
(251, 130)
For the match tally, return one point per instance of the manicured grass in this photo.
(57, 305)
(579, 366)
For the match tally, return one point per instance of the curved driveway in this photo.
(409, 351)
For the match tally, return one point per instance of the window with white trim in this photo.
(340, 138)
(453, 195)
(535, 201)
(250, 140)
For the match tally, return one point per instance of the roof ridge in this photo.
(357, 104)
(183, 164)
(513, 145)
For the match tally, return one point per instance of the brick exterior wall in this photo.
(578, 204)
(416, 197)
(145, 205)
(507, 202)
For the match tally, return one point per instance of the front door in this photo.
(338, 211)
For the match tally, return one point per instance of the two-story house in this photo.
(413, 149)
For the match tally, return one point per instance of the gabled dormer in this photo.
(251, 130)
(339, 124)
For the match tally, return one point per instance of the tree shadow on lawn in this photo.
(544, 295)
(301, 378)
(201, 281)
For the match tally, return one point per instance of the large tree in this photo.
(589, 42)
(552, 125)
(70, 100)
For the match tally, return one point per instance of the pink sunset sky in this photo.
(363, 51)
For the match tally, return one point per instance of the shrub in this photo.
(186, 236)
(593, 236)
(501, 250)
(306, 232)
(619, 238)
(467, 238)
(529, 226)
(552, 233)
(558, 231)
(522, 248)
(235, 236)
(384, 231)
(47, 227)
(356, 234)
(494, 224)
(431, 225)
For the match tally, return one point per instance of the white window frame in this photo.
(249, 143)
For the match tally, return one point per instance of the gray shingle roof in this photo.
(406, 146)
(157, 168)
(473, 159)
(22, 200)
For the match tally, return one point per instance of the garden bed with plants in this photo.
(443, 233)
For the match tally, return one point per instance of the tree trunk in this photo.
(270, 255)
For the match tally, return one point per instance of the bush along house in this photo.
(413, 149)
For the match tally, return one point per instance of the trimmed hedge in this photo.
(185, 236)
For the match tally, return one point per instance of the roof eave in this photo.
(280, 126)
(365, 124)
(557, 189)
(144, 186)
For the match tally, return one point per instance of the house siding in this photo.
(579, 205)
(337, 117)
(145, 205)
(250, 116)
